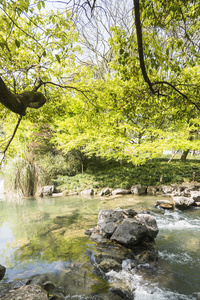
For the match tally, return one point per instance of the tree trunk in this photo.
(18, 103)
(184, 155)
(192, 152)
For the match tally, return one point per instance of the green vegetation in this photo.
(124, 175)
(124, 96)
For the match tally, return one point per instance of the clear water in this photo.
(34, 238)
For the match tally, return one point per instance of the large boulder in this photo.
(2, 271)
(28, 292)
(108, 220)
(132, 231)
(183, 202)
(124, 226)
(138, 189)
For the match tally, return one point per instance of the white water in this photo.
(179, 261)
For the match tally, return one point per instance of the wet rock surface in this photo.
(126, 235)
(28, 292)
(2, 271)
(124, 226)
(183, 196)
(74, 281)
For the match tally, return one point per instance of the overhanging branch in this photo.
(142, 61)
(140, 44)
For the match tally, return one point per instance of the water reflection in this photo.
(46, 234)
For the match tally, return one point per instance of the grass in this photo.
(101, 174)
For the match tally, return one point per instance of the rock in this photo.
(108, 228)
(197, 203)
(89, 231)
(133, 231)
(105, 192)
(138, 189)
(183, 202)
(124, 226)
(2, 271)
(98, 238)
(28, 292)
(121, 192)
(166, 204)
(47, 190)
(109, 264)
(151, 190)
(124, 231)
(108, 220)
(150, 223)
(89, 192)
(57, 194)
(195, 195)
(148, 253)
(49, 287)
(166, 189)
(112, 251)
(122, 292)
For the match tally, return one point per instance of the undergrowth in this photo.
(124, 175)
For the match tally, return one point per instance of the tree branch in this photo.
(140, 44)
(10, 140)
(18, 103)
(179, 92)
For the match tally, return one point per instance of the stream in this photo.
(39, 236)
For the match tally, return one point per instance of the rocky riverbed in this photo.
(121, 240)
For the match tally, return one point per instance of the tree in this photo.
(150, 67)
(39, 59)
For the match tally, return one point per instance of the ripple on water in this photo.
(180, 258)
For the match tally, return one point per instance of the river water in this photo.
(40, 235)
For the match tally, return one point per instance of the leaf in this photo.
(2, 45)
(17, 43)
(39, 5)
(58, 58)
(44, 53)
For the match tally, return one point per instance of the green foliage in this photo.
(75, 183)
(114, 174)
(115, 117)
(55, 165)
(23, 177)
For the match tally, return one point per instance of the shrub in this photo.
(23, 177)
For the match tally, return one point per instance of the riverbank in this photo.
(124, 175)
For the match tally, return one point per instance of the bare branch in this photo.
(10, 140)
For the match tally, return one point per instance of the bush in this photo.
(23, 177)
(56, 165)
